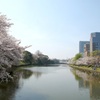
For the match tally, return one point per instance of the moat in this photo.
(52, 83)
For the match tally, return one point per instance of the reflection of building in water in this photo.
(83, 84)
(90, 81)
(79, 77)
(95, 91)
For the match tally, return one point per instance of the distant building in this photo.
(95, 41)
(81, 46)
(62, 61)
(86, 49)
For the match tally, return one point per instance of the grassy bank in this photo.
(85, 68)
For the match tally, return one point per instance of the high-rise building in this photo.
(81, 46)
(86, 49)
(95, 41)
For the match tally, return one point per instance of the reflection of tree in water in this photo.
(81, 82)
(37, 74)
(25, 73)
(8, 90)
(89, 80)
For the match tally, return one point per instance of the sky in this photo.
(54, 27)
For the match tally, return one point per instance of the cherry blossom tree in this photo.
(10, 51)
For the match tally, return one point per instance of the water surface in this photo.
(52, 83)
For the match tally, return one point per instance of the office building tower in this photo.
(81, 46)
(86, 49)
(95, 41)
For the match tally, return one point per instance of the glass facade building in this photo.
(81, 46)
(95, 41)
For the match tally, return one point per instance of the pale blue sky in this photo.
(54, 27)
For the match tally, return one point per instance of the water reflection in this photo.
(87, 80)
(52, 83)
(24, 73)
(37, 74)
(8, 90)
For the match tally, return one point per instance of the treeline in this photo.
(92, 60)
(10, 50)
(37, 59)
(11, 53)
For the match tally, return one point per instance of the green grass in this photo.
(85, 68)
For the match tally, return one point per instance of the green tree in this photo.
(95, 53)
(41, 58)
(77, 56)
(27, 57)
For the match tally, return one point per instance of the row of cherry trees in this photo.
(37, 59)
(92, 60)
(10, 51)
